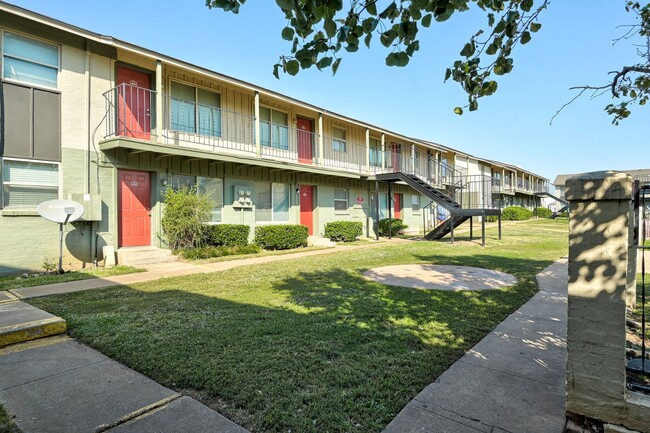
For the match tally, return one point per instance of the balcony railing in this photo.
(418, 163)
(130, 112)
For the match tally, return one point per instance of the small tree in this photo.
(184, 217)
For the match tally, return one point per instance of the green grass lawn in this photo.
(308, 345)
(10, 282)
(6, 423)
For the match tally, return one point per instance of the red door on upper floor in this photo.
(395, 156)
(397, 205)
(307, 207)
(305, 141)
(134, 207)
(133, 103)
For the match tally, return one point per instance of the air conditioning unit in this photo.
(92, 204)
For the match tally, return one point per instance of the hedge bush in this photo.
(220, 251)
(343, 231)
(542, 212)
(516, 213)
(229, 235)
(281, 237)
(184, 217)
(398, 226)
(491, 219)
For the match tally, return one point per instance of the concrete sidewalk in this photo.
(173, 269)
(511, 381)
(58, 385)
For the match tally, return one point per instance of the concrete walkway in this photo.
(174, 269)
(58, 385)
(512, 381)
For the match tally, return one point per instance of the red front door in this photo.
(307, 207)
(305, 141)
(134, 198)
(394, 152)
(133, 103)
(397, 204)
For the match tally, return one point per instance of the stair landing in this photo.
(142, 256)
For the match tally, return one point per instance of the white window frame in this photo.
(33, 161)
(416, 203)
(196, 105)
(336, 142)
(347, 200)
(273, 221)
(24, 83)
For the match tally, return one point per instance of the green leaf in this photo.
(458, 111)
(371, 7)
(491, 50)
(287, 33)
(443, 14)
(447, 74)
(330, 27)
(525, 38)
(468, 50)
(325, 62)
(335, 66)
(426, 20)
(535, 27)
(276, 70)
(490, 20)
(292, 67)
(367, 39)
(391, 59)
(473, 106)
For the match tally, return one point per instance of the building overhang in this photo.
(140, 146)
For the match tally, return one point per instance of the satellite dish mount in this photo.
(61, 212)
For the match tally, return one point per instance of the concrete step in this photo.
(20, 322)
(140, 256)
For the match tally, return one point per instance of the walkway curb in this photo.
(20, 322)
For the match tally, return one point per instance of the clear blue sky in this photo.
(573, 48)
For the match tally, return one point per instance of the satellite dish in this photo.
(60, 211)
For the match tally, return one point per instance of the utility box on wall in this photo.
(92, 206)
(243, 197)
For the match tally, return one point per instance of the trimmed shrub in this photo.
(542, 212)
(184, 217)
(343, 231)
(228, 235)
(491, 219)
(398, 226)
(281, 237)
(221, 251)
(516, 213)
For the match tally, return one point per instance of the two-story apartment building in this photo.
(111, 125)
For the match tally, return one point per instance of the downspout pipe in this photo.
(93, 240)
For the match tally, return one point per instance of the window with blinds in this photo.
(25, 184)
(29, 60)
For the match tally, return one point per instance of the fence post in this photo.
(598, 252)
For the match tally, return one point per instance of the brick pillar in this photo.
(598, 250)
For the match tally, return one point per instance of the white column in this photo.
(383, 150)
(368, 150)
(159, 100)
(321, 145)
(258, 140)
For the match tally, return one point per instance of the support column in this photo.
(383, 151)
(321, 145)
(258, 139)
(159, 100)
(389, 202)
(471, 228)
(598, 253)
(368, 150)
(451, 221)
(483, 228)
(376, 209)
(499, 219)
(414, 171)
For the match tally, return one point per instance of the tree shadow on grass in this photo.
(331, 352)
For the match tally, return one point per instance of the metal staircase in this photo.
(564, 203)
(464, 197)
